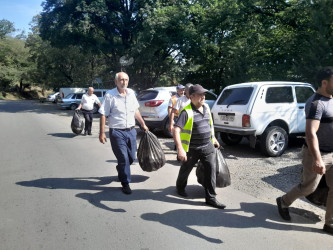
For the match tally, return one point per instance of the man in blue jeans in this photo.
(121, 107)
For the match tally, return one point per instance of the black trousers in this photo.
(88, 119)
(207, 156)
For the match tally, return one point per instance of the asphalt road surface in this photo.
(60, 191)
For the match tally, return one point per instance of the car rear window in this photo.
(235, 96)
(147, 95)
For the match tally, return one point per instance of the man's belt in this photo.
(124, 129)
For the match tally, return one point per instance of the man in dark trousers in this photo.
(195, 140)
(317, 152)
(122, 108)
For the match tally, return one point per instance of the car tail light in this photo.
(246, 121)
(154, 103)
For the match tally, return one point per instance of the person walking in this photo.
(121, 107)
(180, 92)
(317, 152)
(181, 102)
(87, 105)
(195, 140)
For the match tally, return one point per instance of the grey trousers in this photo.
(207, 156)
(310, 181)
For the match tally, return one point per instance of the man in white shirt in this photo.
(122, 108)
(87, 106)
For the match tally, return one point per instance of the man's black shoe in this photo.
(215, 203)
(89, 133)
(182, 192)
(328, 229)
(284, 212)
(126, 189)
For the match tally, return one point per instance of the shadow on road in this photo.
(64, 135)
(259, 215)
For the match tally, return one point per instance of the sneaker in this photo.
(328, 229)
(126, 189)
(284, 212)
(215, 203)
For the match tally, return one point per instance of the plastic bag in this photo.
(222, 171)
(77, 124)
(319, 196)
(150, 153)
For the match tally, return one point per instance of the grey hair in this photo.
(117, 75)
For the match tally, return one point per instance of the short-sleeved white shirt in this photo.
(181, 103)
(88, 101)
(120, 110)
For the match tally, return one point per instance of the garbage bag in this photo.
(150, 153)
(222, 171)
(319, 196)
(77, 124)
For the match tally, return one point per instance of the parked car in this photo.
(73, 100)
(154, 106)
(269, 112)
(52, 97)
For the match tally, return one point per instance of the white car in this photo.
(266, 111)
(52, 97)
(154, 106)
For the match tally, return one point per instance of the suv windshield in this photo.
(239, 96)
(147, 95)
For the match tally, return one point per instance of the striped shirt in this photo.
(201, 130)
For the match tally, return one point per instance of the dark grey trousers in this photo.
(207, 156)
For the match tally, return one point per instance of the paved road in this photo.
(60, 191)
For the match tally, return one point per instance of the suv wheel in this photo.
(231, 139)
(166, 128)
(274, 141)
(73, 106)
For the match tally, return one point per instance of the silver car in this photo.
(154, 106)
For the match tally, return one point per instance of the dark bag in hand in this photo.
(222, 171)
(319, 196)
(150, 153)
(77, 124)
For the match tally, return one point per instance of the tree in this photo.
(6, 27)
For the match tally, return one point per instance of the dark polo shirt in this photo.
(201, 131)
(320, 108)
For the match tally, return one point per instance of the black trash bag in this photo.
(319, 196)
(150, 153)
(77, 124)
(222, 171)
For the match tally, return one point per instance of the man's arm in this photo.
(102, 137)
(140, 120)
(181, 154)
(311, 138)
(171, 118)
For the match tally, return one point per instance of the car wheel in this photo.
(166, 131)
(231, 139)
(274, 141)
(73, 106)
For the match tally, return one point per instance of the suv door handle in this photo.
(301, 107)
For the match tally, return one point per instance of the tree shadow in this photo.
(258, 215)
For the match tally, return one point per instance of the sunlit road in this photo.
(60, 191)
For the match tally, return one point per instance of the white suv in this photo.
(267, 111)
